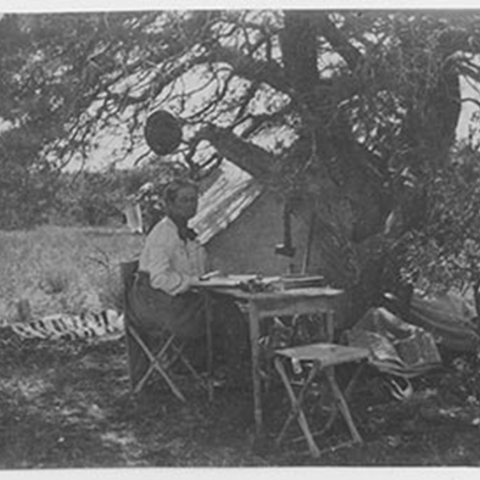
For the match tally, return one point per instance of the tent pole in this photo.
(306, 256)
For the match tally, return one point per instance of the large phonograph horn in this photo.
(162, 132)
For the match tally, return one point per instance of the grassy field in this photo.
(67, 403)
(62, 269)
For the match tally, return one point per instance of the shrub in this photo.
(55, 281)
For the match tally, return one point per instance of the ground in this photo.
(68, 404)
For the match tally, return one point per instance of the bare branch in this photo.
(472, 100)
(251, 158)
(337, 40)
(252, 69)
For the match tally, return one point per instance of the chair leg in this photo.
(169, 381)
(296, 411)
(169, 343)
(144, 379)
(155, 365)
(186, 362)
(180, 356)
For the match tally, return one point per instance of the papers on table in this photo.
(302, 281)
(259, 282)
(232, 281)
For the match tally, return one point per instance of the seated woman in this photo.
(171, 262)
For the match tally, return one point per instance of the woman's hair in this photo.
(172, 189)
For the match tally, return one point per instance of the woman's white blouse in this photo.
(171, 262)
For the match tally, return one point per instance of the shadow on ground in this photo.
(68, 405)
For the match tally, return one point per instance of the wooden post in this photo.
(306, 256)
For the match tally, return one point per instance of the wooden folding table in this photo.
(262, 305)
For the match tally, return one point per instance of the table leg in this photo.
(254, 321)
(330, 325)
(209, 319)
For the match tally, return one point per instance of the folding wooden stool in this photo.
(169, 348)
(319, 358)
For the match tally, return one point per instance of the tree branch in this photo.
(337, 40)
(255, 70)
(472, 100)
(251, 158)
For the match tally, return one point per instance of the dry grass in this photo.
(62, 269)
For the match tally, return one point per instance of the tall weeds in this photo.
(63, 269)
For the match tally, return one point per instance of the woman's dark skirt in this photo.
(155, 313)
(154, 310)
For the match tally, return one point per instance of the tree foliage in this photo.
(99, 198)
(342, 111)
(445, 252)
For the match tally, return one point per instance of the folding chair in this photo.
(160, 357)
(317, 359)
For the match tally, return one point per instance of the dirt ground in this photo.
(67, 404)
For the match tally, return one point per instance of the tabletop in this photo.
(272, 289)
(310, 292)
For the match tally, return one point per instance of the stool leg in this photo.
(342, 404)
(347, 392)
(297, 411)
(346, 395)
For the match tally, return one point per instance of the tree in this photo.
(99, 198)
(348, 115)
(445, 252)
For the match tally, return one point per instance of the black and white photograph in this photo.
(239, 236)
